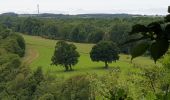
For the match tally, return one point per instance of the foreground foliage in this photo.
(154, 38)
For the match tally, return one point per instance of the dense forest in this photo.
(87, 30)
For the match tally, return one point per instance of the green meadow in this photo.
(39, 52)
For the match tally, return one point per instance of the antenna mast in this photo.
(38, 9)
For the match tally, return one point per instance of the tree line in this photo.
(89, 30)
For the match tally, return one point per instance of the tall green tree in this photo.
(65, 54)
(105, 51)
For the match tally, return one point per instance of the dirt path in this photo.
(30, 56)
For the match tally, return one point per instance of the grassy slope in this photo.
(45, 49)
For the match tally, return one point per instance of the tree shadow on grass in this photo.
(61, 71)
(104, 68)
(83, 70)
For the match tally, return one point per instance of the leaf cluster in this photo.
(153, 38)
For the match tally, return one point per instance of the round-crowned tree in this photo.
(65, 55)
(105, 51)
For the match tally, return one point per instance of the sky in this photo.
(145, 7)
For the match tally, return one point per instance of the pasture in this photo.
(39, 52)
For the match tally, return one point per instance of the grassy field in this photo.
(39, 52)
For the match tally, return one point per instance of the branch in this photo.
(132, 40)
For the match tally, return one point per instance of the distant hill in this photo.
(48, 15)
(51, 15)
(9, 14)
(106, 15)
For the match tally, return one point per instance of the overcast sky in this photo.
(151, 7)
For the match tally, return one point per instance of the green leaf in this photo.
(139, 50)
(138, 28)
(169, 9)
(167, 18)
(159, 48)
(155, 27)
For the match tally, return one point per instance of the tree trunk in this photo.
(70, 67)
(106, 64)
(66, 68)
